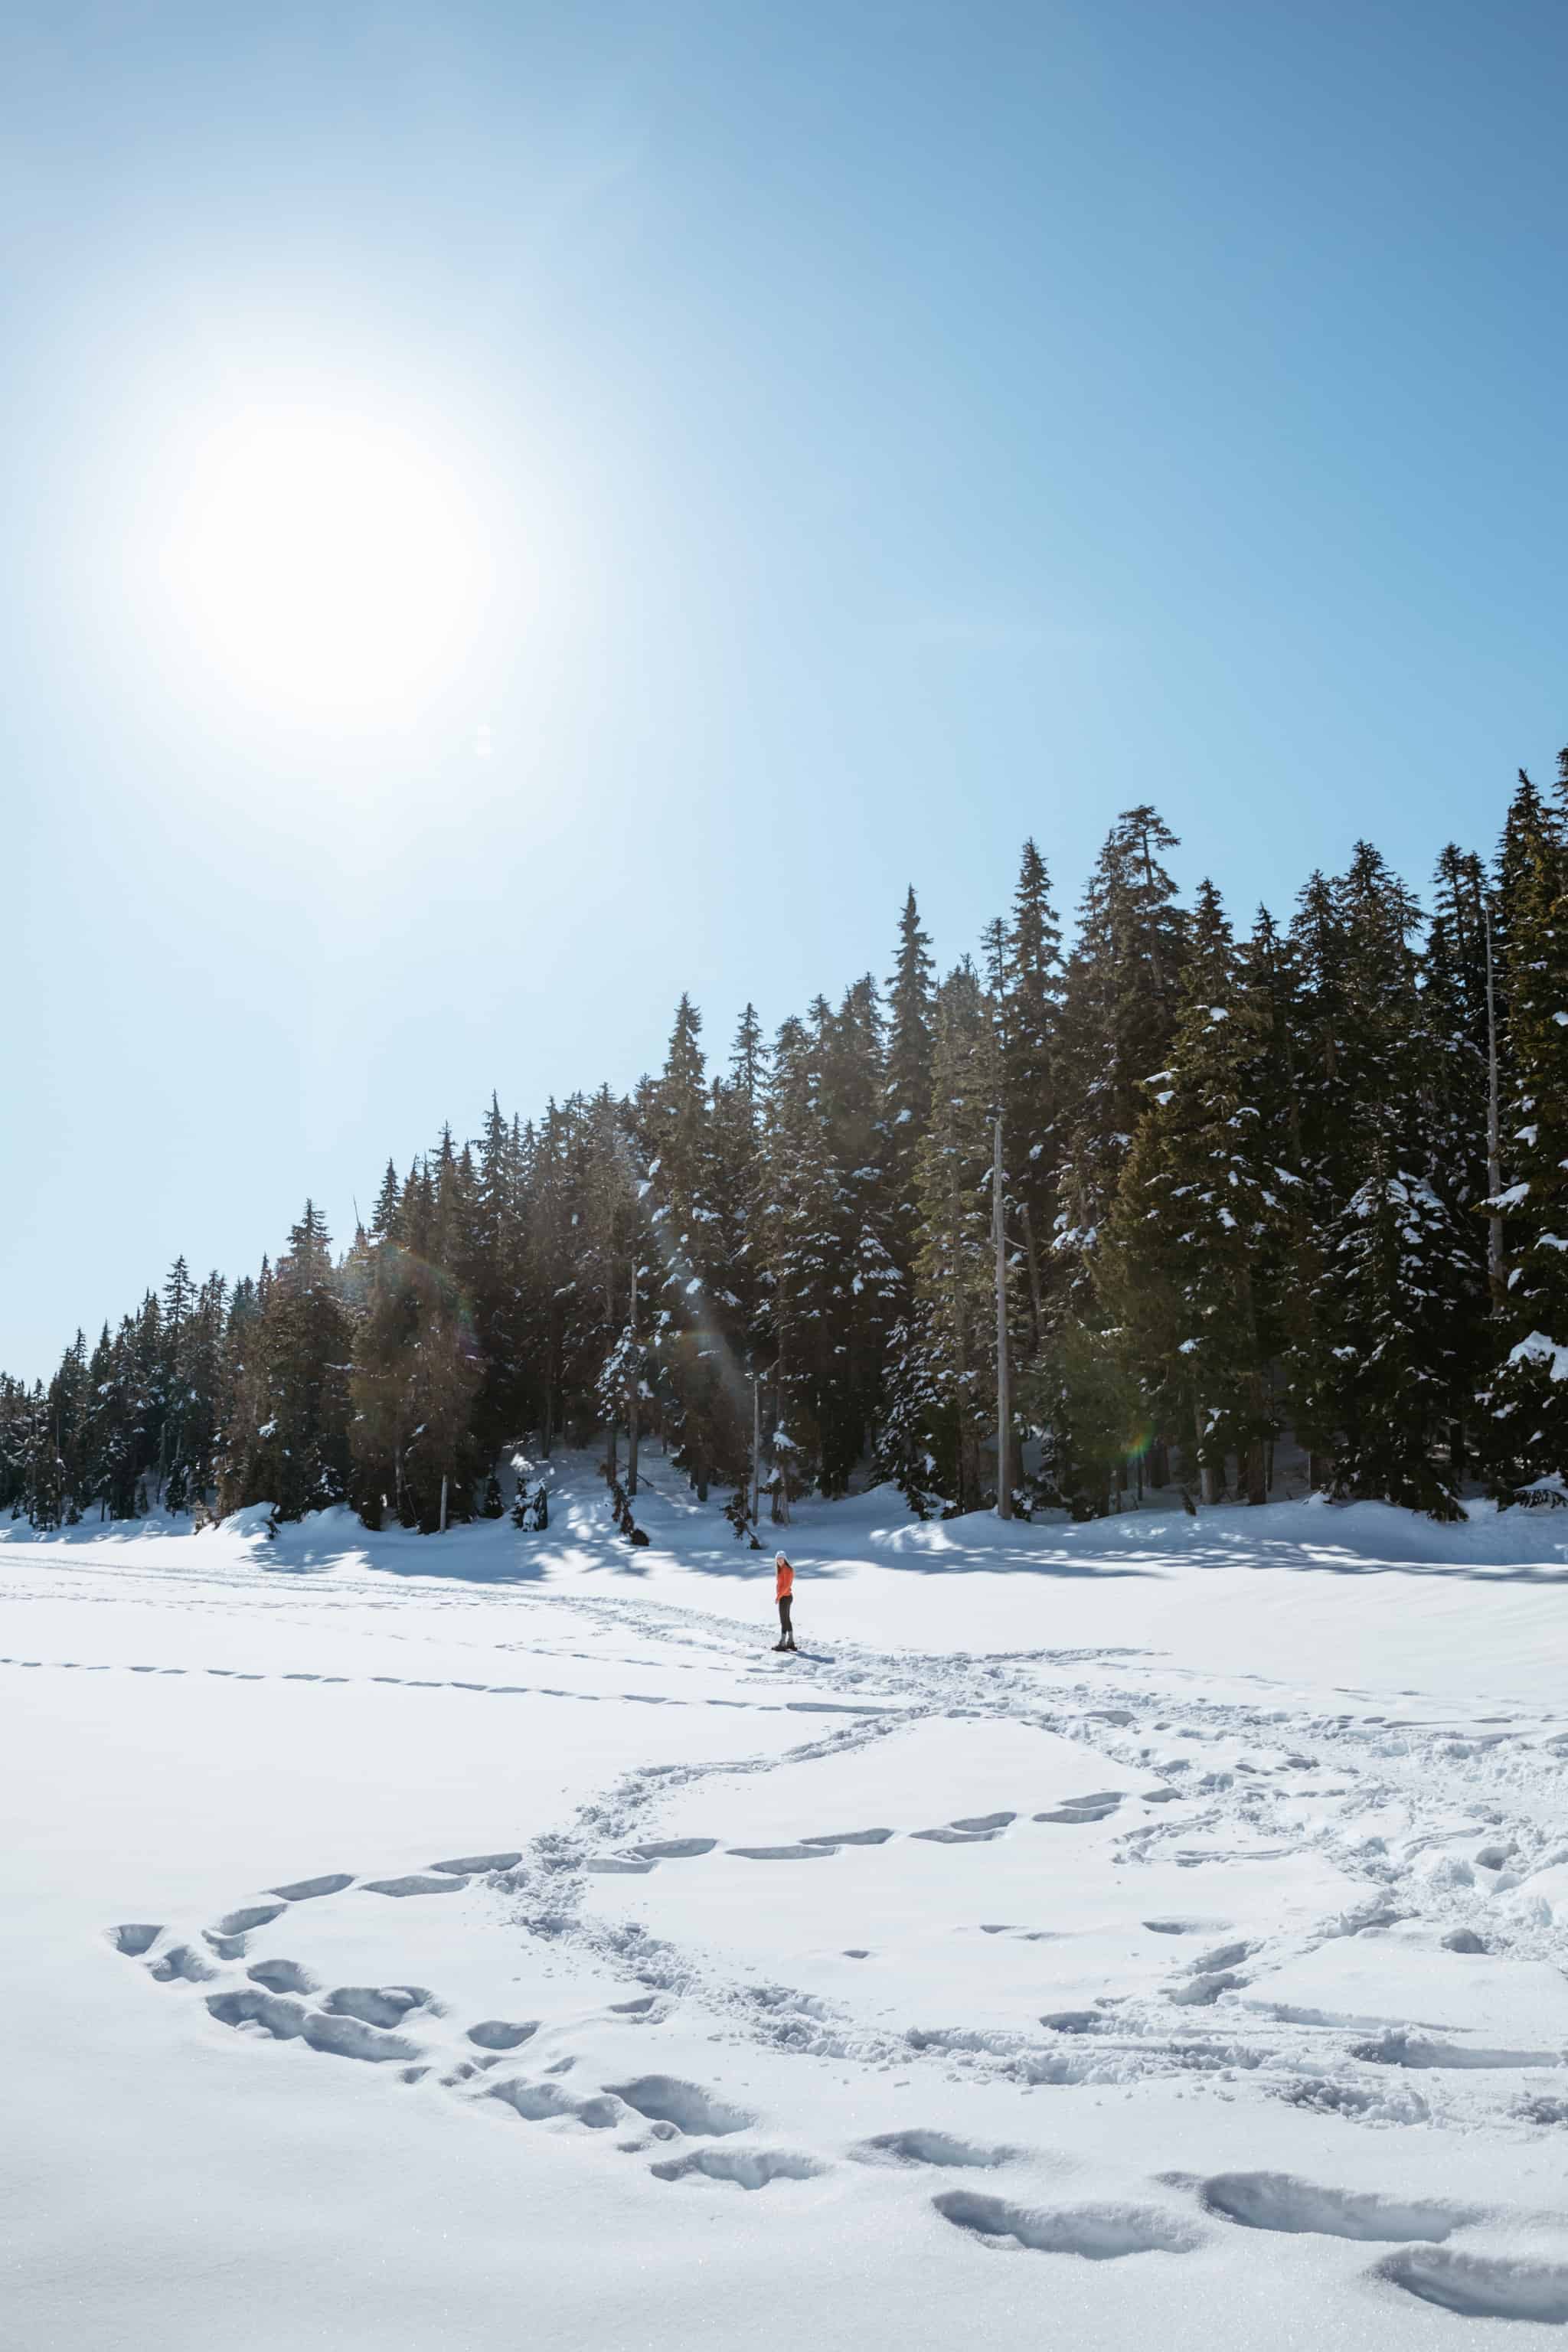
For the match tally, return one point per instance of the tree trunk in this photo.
(443, 1502)
(781, 1482)
(1032, 1259)
(1205, 1467)
(1003, 1370)
(756, 1448)
(1255, 1475)
(634, 1388)
(1496, 1277)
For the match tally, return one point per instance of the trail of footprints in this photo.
(974, 1829)
(379, 2025)
(696, 2125)
(486, 1690)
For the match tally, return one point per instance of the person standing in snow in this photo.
(784, 1594)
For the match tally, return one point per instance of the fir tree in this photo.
(1193, 1246)
(944, 1384)
(907, 1091)
(1529, 1392)
(289, 1442)
(1030, 995)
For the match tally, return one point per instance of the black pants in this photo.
(786, 1631)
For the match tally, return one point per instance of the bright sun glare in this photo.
(325, 564)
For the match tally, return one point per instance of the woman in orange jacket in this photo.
(784, 1594)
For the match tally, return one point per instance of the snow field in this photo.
(409, 1958)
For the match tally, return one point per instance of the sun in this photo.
(324, 563)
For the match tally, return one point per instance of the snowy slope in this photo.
(1149, 1931)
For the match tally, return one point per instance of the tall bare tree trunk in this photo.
(634, 1388)
(1033, 1259)
(1495, 1278)
(1205, 1468)
(756, 1448)
(781, 1481)
(1004, 1368)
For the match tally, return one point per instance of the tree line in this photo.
(1305, 1179)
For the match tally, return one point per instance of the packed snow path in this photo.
(1080, 1952)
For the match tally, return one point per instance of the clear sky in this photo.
(508, 513)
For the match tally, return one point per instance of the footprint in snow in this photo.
(348, 2037)
(290, 2021)
(745, 2168)
(539, 2103)
(1078, 1810)
(306, 1890)
(1481, 2286)
(1183, 1925)
(954, 1834)
(1276, 2200)
(919, 2145)
(137, 1937)
(415, 1882)
(281, 1976)
(782, 1852)
(498, 2033)
(667, 2099)
(181, 1965)
(376, 2004)
(1096, 2233)
(254, 1915)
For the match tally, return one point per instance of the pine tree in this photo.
(1030, 996)
(1380, 1376)
(943, 1386)
(907, 1092)
(693, 1337)
(289, 1444)
(1121, 993)
(1195, 1244)
(384, 1216)
(1528, 1396)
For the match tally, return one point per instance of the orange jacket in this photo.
(784, 1582)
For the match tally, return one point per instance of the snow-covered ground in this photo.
(1147, 1933)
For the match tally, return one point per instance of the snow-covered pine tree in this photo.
(1528, 1392)
(942, 1388)
(1121, 993)
(795, 1219)
(830, 1281)
(1031, 999)
(495, 1284)
(1390, 1359)
(1380, 1379)
(1189, 1267)
(384, 1214)
(693, 1333)
(289, 1444)
(906, 1090)
(413, 1377)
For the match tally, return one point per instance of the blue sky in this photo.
(885, 431)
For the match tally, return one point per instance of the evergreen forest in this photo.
(1291, 1183)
